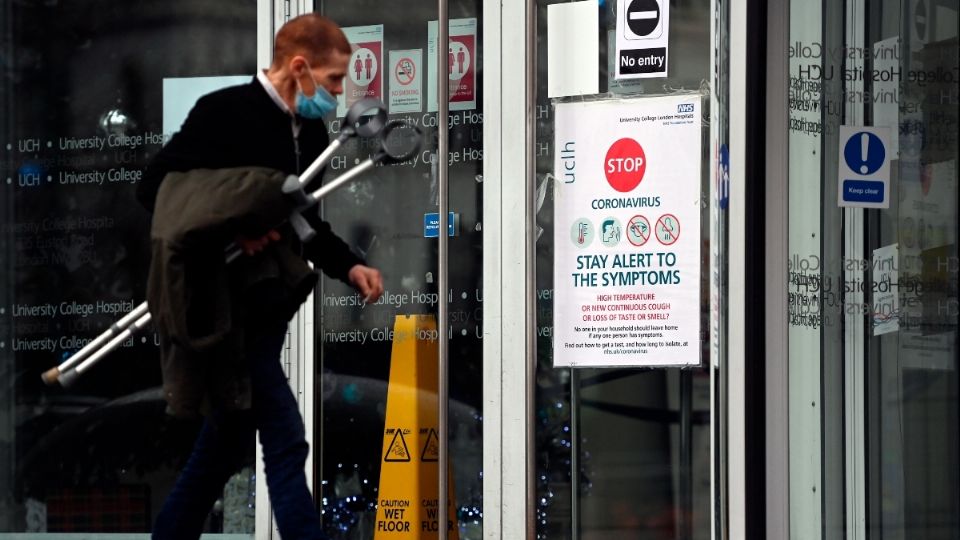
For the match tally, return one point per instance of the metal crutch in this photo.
(365, 119)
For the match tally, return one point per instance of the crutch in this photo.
(399, 142)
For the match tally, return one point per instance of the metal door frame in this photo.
(509, 279)
(509, 354)
(298, 350)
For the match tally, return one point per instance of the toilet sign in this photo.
(863, 174)
(642, 38)
(462, 64)
(364, 77)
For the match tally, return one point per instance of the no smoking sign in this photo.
(406, 71)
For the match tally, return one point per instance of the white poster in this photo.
(406, 72)
(572, 48)
(365, 69)
(643, 32)
(461, 63)
(886, 297)
(627, 233)
(927, 232)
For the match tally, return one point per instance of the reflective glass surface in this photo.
(391, 216)
(873, 229)
(83, 104)
(621, 452)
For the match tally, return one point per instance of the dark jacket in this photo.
(196, 300)
(241, 126)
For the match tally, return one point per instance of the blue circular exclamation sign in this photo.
(864, 153)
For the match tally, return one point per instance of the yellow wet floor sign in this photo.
(407, 498)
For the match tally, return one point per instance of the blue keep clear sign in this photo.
(863, 174)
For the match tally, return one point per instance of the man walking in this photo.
(275, 121)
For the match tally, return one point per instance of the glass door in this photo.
(621, 452)
(873, 273)
(392, 215)
(86, 93)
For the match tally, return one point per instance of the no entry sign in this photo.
(642, 38)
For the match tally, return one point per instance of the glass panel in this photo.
(384, 215)
(83, 111)
(873, 291)
(719, 259)
(621, 452)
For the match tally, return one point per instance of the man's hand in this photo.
(251, 246)
(367, 281)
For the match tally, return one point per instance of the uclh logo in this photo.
(685, 108)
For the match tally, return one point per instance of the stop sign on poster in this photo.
(625, 164)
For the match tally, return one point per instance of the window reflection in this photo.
(82, 115)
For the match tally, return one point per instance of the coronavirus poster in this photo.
(627, 241)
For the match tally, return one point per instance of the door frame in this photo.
(509, 242)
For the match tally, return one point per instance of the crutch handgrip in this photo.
(300, 226)
(293, 190)
(51, 375)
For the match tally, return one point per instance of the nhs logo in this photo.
(685, 108)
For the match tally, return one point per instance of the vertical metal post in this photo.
(737, 342)
(530, 178)
(776, 226)
(268, 22)
(684, 523)
(575, 453)
(443, 278)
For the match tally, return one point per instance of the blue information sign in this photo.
(431, 225)
(863, 173)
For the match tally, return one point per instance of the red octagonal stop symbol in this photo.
(625, 165)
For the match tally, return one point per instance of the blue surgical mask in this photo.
(320, 104)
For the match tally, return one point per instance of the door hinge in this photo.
(286, 10)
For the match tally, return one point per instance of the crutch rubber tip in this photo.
(50, 376)
(67, 378)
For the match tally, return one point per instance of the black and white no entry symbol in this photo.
(643, 19)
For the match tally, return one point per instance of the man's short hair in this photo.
(312, 36)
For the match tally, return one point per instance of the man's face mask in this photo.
(316, 106)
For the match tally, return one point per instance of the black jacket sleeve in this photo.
(242, 127)
(328, 251)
